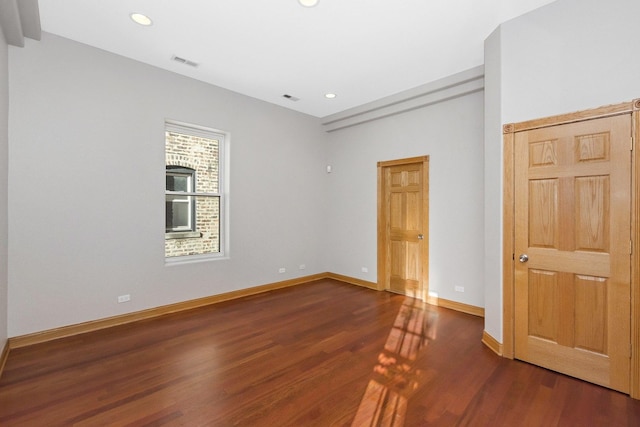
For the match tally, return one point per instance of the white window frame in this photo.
(223, 139)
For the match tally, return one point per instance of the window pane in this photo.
(208, 175)
(178, 182)
(204, 153)
(207, 230)
(207, 150)
(179, 213)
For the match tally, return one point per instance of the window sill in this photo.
(183, 235)
(191, 259)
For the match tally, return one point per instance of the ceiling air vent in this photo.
(291, 97)
(184, 61)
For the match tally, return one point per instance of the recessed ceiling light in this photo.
(141, 19)
(308, 3)
(330, 95)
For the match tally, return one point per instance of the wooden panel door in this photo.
(572, 249)
(404, 225)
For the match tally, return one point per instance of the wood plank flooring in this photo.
(320, 354)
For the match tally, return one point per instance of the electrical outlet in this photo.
(124, 298)
(302, 267)
(459, 288)
(365, 270)
(282, 270)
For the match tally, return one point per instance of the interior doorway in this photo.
(571, 205)
(403, 226)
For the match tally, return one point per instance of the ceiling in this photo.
(361, 50)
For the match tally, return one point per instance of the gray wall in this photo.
(86, 148)
(86, 153)
(570, 55)
(4, 167)
(451, 133)
(87, 177)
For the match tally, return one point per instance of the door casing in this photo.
(508, 255)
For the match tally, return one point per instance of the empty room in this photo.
(375, 213)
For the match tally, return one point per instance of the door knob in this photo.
(524, 258)
(420, 236)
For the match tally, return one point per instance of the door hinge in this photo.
(631, 144)
(630, 247)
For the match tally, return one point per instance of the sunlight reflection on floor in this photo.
(395, 378)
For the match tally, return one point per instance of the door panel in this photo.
(543, 304)
(572, 213)
(403, 219)
(592, 213)
(405, 192)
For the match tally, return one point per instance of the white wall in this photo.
(570, 55)
(86, 192)
(451, 133)
(4, 174)
(493, 186)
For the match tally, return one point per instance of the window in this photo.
(194, 196)
(180, 208)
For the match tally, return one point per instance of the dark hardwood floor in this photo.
(320, 354)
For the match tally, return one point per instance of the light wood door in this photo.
(572, 213)
(403, 223)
